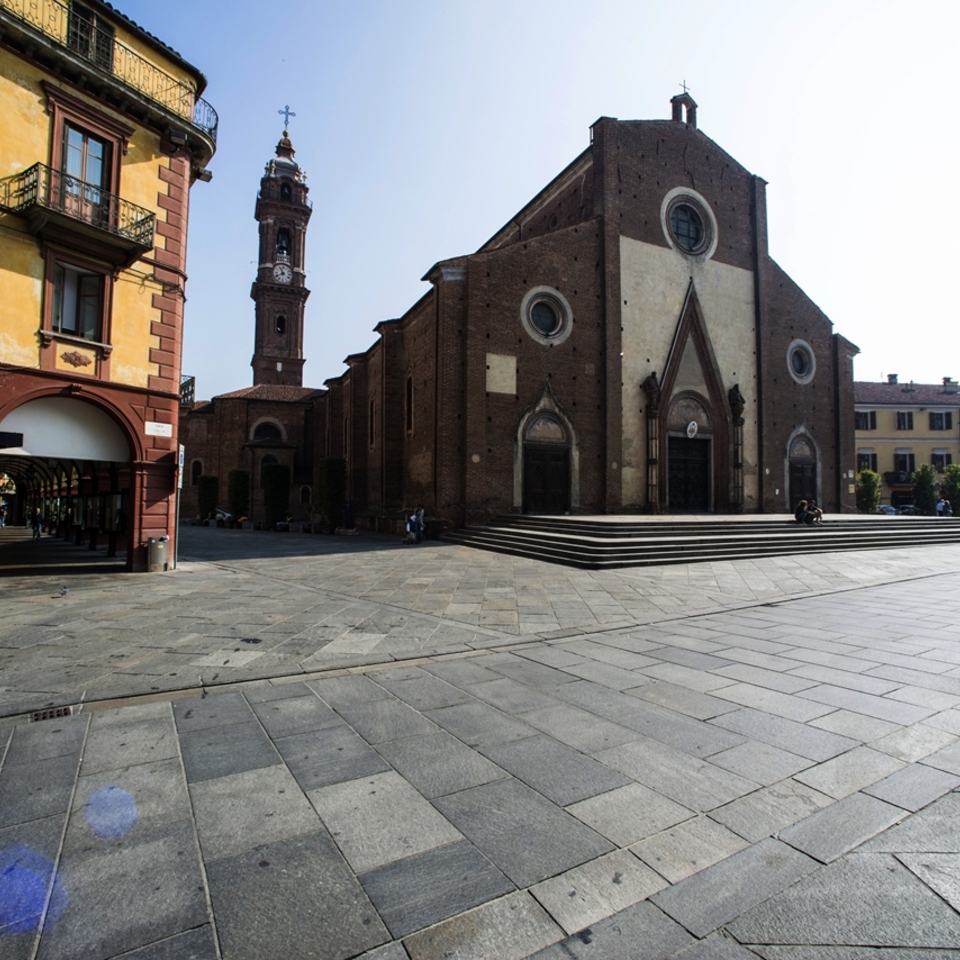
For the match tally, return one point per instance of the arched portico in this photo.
(76, 460)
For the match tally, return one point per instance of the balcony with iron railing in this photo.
(58, 206)
(94, 43)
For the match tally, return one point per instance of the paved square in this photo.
(437, 753)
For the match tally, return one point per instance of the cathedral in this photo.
(623, 344)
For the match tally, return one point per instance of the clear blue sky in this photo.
(424, 126)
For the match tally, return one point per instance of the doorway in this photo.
(546, 479)
(688, 474)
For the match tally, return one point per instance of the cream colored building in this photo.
(899, 426)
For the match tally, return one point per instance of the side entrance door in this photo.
(803, 481)
(546, 479)
(688, 474)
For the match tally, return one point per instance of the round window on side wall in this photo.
(546, 315)
(801, 362)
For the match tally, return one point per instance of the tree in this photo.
(924, 495)
(208, 494)
(331, 492)
(868, 491)
(275, 482)
(238, 493)
(950, 487)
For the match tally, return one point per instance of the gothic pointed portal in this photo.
(695, 436)
(279, 290)
(546, 459)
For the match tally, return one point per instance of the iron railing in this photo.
(95, 42)
(41, 186)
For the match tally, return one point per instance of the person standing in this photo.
(36, 522)
(420, 521)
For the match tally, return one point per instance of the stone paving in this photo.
(731, 760)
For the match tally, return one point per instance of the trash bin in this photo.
(157, 554)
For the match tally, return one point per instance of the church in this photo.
(623, 344)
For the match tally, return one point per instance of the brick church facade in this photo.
(623, 344)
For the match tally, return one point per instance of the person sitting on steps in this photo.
(815, 511)
(802, 515)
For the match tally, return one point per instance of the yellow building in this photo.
(104, 132)
(902, 425)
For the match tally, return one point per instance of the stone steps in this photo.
(608, 543)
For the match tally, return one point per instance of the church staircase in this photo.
(599, 543)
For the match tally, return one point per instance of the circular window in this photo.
(688, 223)
(801, 362)
(546, 315)
(687, 227)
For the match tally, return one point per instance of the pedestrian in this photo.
(947, 509)
(36, 522)
(940, 503)
(3, 516)
(420, 521)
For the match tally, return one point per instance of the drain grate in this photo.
(250, 640)
(51, 714)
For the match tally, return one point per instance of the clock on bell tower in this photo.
(283, 212)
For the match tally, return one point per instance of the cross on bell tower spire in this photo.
(287, 113)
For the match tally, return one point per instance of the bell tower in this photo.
(283, 212)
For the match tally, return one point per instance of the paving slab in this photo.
(511, 928)
(947, 758)
(849, 772)
(380, 721)
(718, 894)
(109, 746)
(244, 810)
(196, 944)
(218, 710)
(686, 779)
(478, 724)
(219, 751)
(37, 789)
(379, 819)
(346, 690)
(718, 947)
(939, 871)
(834, 830)
(760, 762)
(691, 703)
(424, 889)
(559, 772)
(439, 764)
(523, 834)
(914, 787)
(578, 728)
(289, 716)
(588, 894)
(136, 799)
(913, 743)
(623, 935)
(127, 893)
(329, 756)
(43, 741)
(884, 905)
(292, 900)
(629, 813)
(786, 734)
(688, 848)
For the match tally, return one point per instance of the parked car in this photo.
(223, 519)
(886, 510)
(908, 510)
